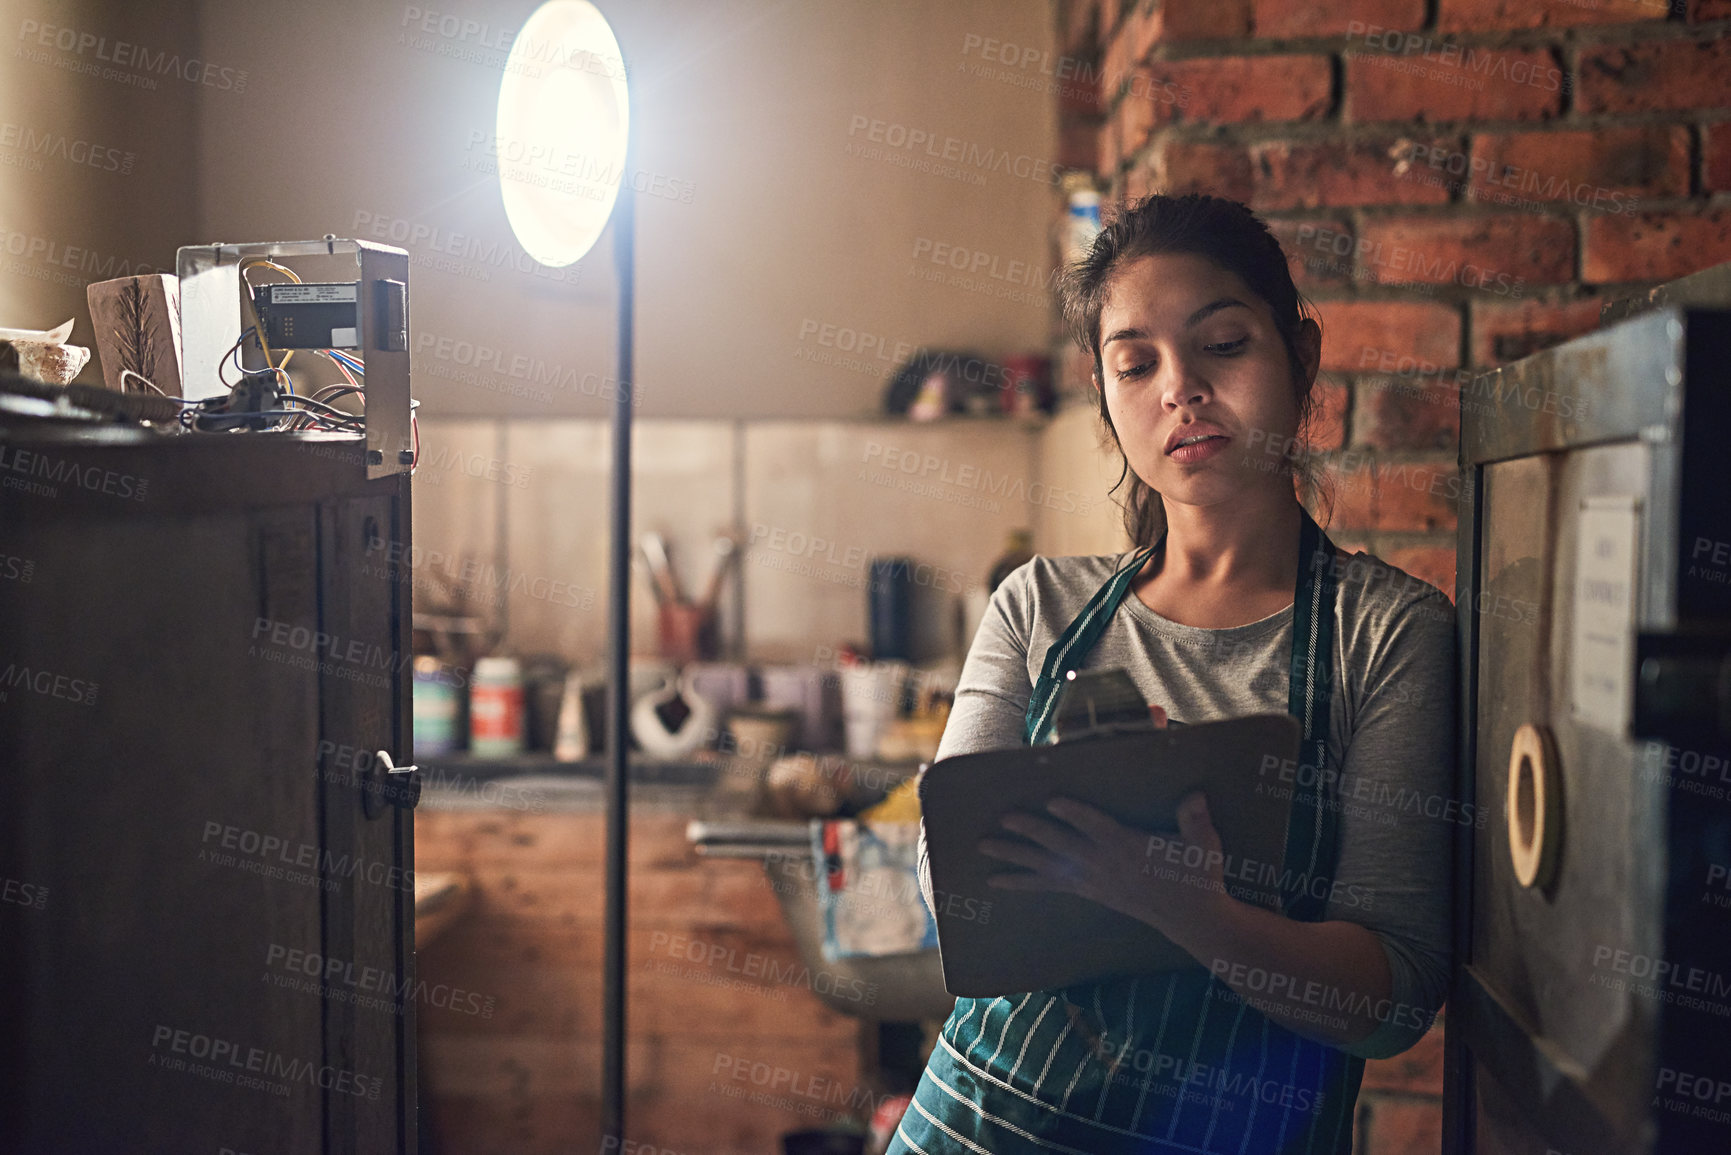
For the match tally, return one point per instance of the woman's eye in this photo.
(1229, 347)
(1136, 370)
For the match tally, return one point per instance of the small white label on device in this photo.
(312, 294)
(1604, 624)
(344, 338)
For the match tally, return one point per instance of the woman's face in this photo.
(1187, 350)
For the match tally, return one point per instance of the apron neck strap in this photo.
(1313, 825)
(1074, 644)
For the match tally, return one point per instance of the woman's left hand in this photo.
(1167, 881)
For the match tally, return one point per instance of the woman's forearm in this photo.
(1325, 980)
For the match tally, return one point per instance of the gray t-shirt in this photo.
(1391, 735)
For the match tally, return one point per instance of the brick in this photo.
(1081, 27)
(1498, 254)
(1310, 246)
(1400, 1127)
(1145, 27)
(1337, 173)
(1655, 246)
(1279, 19)
(1136, 111)
(1139, 181)
(1078, 86)
(1716, 156)
(1436, 565)
(1177, 21)
(1079, 146)
(1240, 89)
(1606, 169)
(1110, 10)
(1439, 84)
(1181, 166)
(1115, 66)
(1365, 336)
(1407, 411)
(1106, 150)
(1661, 76)
(1398, 496)
(1486, 15)
(1157, 97)
(1505, 331)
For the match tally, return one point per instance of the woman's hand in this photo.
(1167, 881)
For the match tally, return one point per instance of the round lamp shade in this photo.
(563, 122)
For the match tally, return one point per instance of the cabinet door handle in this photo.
(388, 782)
(1535, 807)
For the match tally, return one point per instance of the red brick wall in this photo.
(1458, 183)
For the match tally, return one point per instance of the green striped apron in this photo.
(1167, 1062)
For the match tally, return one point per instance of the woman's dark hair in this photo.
(1231, 236)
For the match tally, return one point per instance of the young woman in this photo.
(1231, 602)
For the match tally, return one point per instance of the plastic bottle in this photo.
(496, 708)
(1082, 223)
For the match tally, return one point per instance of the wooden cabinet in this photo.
(728, 1046)
(207, 942)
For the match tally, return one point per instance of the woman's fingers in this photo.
(1009, 881)
(1054, 836)
(1019, 853)
(1195, 824)
(1096, 824)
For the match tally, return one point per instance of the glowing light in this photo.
(564, 117)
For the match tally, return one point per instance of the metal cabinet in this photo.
(207, 942)
(1591, 1007)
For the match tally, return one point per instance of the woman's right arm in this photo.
(993, 690)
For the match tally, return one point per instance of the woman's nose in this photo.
(1184, 384)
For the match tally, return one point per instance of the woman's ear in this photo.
(1308, 342)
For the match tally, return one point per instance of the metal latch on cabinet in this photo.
(388, 783)
(1683, 685)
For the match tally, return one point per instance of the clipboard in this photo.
(995, 942)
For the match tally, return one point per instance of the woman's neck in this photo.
(1226, 564)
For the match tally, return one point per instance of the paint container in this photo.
(437, 708)
(496, 708)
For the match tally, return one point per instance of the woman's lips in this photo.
(1199, 450)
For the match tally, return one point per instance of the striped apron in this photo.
(1165, 1062)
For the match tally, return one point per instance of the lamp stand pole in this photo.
(618, 780)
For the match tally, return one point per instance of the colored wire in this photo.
(258, 330)
(332, 392)
(125, 373)
(234, 355)
(269, 264)
(330, 355)
(263, 344)
(321, 407)
(353, 362)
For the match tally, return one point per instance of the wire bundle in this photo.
(286, 409)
